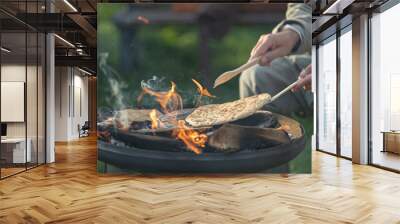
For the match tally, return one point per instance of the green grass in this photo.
(302, 163)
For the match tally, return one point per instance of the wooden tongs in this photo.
(226, 76)
(233, 73)
(289, 87)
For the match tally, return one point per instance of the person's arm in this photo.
(304, 80)
(291, 36)
(299, 19)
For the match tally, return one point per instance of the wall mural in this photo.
(160, 109)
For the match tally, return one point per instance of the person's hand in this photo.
(304, 80)
(274, 45)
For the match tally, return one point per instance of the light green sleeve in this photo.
(299, 18)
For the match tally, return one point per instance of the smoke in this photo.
(119, 96)
(190, 96)
(117, 88)
(155, 83)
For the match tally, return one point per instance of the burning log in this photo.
(232, 137)
(171, 101)
(227, 127)
(155, 123)
(151, 142)
(229, 137)
(260, 130)
(159, 151)
(128, 119)
(127, 116)
(192, 138)
(290, 126)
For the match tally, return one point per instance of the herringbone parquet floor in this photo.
(70, 191)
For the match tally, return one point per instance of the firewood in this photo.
(231, 137)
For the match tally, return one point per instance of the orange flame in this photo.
(203, 91)
(154, 119)
(169, 101)
(285, 128)
(191, 138)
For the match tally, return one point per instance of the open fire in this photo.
(155, 123)
(164, 139)
(171, 101)
(191, 138)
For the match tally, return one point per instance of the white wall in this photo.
(16, 73)
(33, 126)
(61, 103)
(71, 94)
(80, 111)
(12, 73)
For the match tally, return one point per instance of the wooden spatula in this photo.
(233, 73)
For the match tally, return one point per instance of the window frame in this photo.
(333, 37)
(380, 9)
(27, 29)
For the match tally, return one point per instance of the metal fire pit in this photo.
(160, 159)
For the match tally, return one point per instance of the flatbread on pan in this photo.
(215, 114)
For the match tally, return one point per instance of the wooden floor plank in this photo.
(71, 191)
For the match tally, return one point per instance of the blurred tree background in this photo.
(173, 50)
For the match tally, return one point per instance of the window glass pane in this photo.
(41, 98)
(32, 89)
(327, 97)
(23, 90)
(31, 97)
(385, 85)
(14, 153)
(346, 94)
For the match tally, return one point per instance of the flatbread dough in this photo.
(215, 114)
